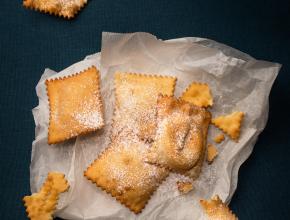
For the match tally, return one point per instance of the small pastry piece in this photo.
(198, 94)
(75, 105)
(41, 205)
(211, 153)
(132, 181)
(215, 209)
(64, 8)
(179, 140)
(230, 124)
(219, 138)
(184, 187)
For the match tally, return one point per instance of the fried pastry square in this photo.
(75, 105)
(136, 97)
(230, 124)
(219, 138)
(41, 205)
(198, 94)
(120, 170)
(180, 138)
(64, 8)
(215, 209)
(211, 153)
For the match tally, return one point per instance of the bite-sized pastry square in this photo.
(180, 136)
(75, 105)
(64, 8)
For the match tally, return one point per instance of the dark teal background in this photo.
(30, 41)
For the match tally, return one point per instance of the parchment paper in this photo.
(237, 81)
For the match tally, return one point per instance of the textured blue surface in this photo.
(30, 41)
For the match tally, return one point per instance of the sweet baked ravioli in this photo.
(64, 8)
(131, 180)
(136, 98)
(75, 105)
(180, 136)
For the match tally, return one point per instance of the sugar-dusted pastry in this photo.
(194, 172)
(198, 94)
(120, 170)
(211, 153)
(64, 8)
(215, 209)
(136, 98)
(41, 205)
(230, 124)
(180, 139)
(219, 138)
(184, 187)
(75, 105)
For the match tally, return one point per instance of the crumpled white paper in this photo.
(237, 81)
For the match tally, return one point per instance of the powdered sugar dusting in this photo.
(179, 140)
(90, 115)
(133, 129)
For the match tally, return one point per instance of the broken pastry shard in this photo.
(131, 181)
(65, 8)
(211, 153)
(219, 138)
(230, 124)
(75, 105)
(198, 94)
(180, 138)
(184, 187)
(41, 205)
(215, 209)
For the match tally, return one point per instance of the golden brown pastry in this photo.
(180, 138)
(230, 124)
(219, 138)
(184, 187)
(130, 179)
(211, 153)
(215, 209)
(198, 94)
(64, 8)
(41, 205)
(75, 105)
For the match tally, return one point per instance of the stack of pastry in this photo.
(153, 134)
